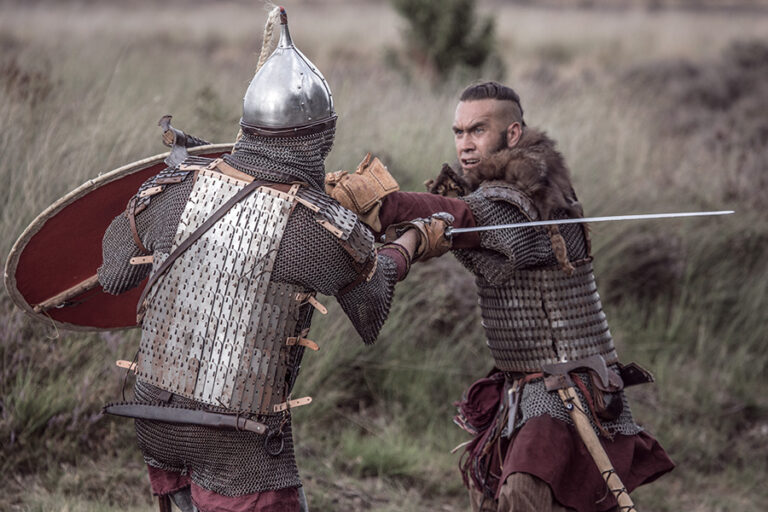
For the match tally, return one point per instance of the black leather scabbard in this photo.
(173, 414)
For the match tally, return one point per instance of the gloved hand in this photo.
(432, 239)
(362, 191)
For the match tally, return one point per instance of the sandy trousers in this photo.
(521, 492)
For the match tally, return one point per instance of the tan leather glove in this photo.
(362, 191)
(433, 241)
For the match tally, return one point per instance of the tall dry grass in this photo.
(654, 111)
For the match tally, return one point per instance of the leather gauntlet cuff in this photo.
(432, 239)
(362, 190)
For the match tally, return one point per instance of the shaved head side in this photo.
(510, 109)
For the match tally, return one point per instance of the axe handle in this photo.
(584, 427)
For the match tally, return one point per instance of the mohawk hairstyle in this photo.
(493, 91)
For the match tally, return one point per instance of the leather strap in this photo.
(128, 365)
(192, 238)
(304, 342)
(130, 212)
(365, 273)
(141, 260)
(290, 404)
(164, 502)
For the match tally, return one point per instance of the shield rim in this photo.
(38, 222)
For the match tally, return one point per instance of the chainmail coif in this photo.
(284, 159)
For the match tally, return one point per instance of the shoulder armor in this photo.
(508, 193)
(153, 186)
(356, 239)
(161, 180)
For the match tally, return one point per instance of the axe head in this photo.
(558, 374)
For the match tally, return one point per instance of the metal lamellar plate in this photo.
(216, 326)
(545, 316)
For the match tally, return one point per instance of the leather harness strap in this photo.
(130, 212)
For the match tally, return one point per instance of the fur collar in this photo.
(535, 168)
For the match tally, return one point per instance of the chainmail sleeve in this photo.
(505, 250)
(156, 225)
(329, 267)
(367, 304)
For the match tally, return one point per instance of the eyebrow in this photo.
(470, 127)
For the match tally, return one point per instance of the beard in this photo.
(485, 168)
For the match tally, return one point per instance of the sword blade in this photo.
(612, 218)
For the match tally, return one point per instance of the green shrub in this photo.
(448, 35)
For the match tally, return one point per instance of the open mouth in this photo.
(468, 163)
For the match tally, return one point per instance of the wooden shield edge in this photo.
(39, 221)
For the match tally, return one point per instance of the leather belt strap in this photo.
(290, 404)
(130, 212)
(310, 298)
(128, 365)
(304, 342)
(141, 260)
(151, 191)
(171, 414)
(193, 237)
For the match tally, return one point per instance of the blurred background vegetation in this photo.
(657, 106)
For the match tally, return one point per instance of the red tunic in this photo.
(553, 451)
(167, 482)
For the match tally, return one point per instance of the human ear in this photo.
(514, 132)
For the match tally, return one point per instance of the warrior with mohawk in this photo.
(550, 424)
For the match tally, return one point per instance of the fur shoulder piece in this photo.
(535, 168)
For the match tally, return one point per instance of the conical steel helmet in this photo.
(288, 95)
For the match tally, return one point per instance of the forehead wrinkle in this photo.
(483, 118)
(485, 110)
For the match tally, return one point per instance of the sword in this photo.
(455, 231)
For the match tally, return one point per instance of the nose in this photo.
(464, 144)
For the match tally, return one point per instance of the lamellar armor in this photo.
(534, 311)
(216, 326)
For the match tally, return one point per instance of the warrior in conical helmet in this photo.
(235, 250)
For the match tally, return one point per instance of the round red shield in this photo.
(51, 269)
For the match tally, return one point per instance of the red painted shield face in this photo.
(61, 251)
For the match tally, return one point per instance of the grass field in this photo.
(654, 111)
